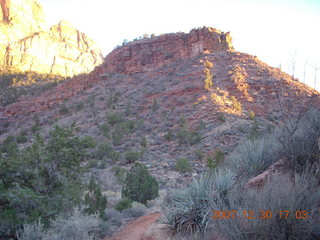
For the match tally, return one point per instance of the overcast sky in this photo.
(273, 30)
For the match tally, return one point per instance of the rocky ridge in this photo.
(141, 55)
(26, 43)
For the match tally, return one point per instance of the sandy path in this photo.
(137, 229)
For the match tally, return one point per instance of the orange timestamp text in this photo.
(284, 214)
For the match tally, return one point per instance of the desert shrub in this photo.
(155, 105)
(219, 155)
(33, 231)
(136, 210)
(113, 118)
(299, 138)
(169, 136)
(208, 64)
(252, 157)
(88, 142)
(113, 98)
(212, 164)
(143, 141)
(22, 137)
(221, 118)
(188, 211)
(280, 194)
(117, 136)
(105, 129)
(9, 146)
(183, 165)
(36, 126)
(251, 115)
(255, 131)
(104, 149)
(208, 75)
(120, 173)
(132, 156)
(79, 106)
(235, 104)
(114, 155)
(92, 163)
(186, 136)
(123, 204)
(199, 154)
(41, 180)
(90, 100)
(139, 185)
(63, 109)
(94, 199)
(75, 226)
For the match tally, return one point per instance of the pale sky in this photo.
(273, 30)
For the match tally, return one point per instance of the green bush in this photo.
(235, 104)
(22, 137)
(94, 199)
(114, 156)
(251, 115)
(103, 150)
(199, 154)
(186, 136)
(41, 180)
(212, 164)
(63, 109)
(169, 136)
(221, 118)
(143, 141)
(139, 185)
(219, 155)
(9, 146)
(105, 128)
(120, 173)
(113, 118)
(123, 204)
(183, 165)
(132, 156)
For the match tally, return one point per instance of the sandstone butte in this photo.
(27, 43)
(139, 56)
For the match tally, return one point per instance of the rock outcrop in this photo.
(140, 55)
(27, 44)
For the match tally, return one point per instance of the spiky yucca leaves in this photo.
(252, 157)
(188, 212)
(280, 194)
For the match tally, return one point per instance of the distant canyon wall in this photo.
(28, 44)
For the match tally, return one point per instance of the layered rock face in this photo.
(26, 44)
(140, 55)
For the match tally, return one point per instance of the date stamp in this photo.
(250, 214)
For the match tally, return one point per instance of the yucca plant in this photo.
(189, 211)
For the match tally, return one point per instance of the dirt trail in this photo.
(138, 229)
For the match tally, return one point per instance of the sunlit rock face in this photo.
(28, 44)
(141, 55)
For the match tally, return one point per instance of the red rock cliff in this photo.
(28, 44)
(140, 55)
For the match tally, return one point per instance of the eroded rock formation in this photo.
(27, 44)
(141, 55)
